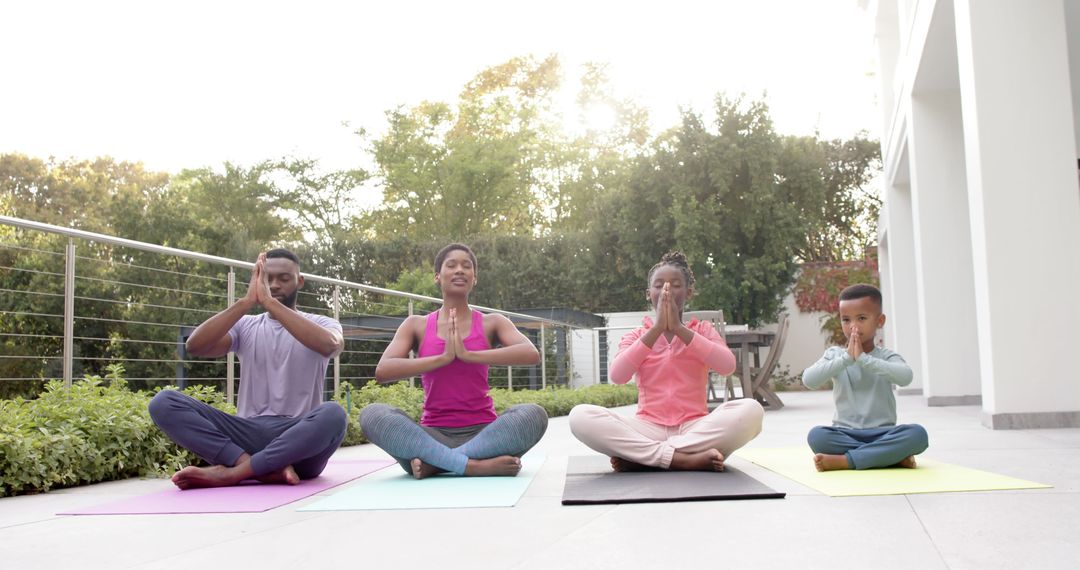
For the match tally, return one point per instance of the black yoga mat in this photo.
(590, 481)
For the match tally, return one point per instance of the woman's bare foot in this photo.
(502, 466)
(826, 462)
(192, 477)
(421, 470)
(907, 462)
(708, 460)
(624, 466)
(287, 476)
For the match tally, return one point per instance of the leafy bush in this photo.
(557, 401)
(97, 430)
(819, 284)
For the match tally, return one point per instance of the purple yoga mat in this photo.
(248, 497)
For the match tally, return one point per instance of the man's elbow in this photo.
(194, 348)
(534, 356)
(334, 346)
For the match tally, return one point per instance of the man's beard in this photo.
(290, 300)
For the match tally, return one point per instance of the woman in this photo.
(459, 431)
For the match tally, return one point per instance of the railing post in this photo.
(69, 310)
(596, 357)
(543, 358)
(412, 380)
(230, 359)
(510, 378)
(569, 356)
(337, 359)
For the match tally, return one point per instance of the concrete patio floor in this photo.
(999, 529)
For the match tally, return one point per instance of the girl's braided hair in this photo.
(676, 259)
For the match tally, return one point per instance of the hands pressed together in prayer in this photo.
(258, 292)
(854, 345)
(668, 320)
(455, 345)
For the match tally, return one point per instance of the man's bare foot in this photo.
(287, 476)
(192, 477)
(624, 465)
(826, 462)
(708, 460)
(421, 470)
(907, 462)
(502, 466)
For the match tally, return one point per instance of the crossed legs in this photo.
(484, 450)
(700, 444)
(849, 448)
(271, 449)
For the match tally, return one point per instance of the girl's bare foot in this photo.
(826, 462)
(907, 462)
(420, 470)
(287, 476)
(502, 466)
(623, 466)
(708, 460)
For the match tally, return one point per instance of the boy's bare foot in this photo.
(624, 466)
(287, 476)
(420, 470)
(502, 466)
(826, 462)
(907, 462)
(708, 460)
(192, 477)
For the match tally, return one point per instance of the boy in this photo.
(864, 434)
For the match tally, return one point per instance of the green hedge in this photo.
(99, 430)
(557, 401)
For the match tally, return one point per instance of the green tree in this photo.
(741, 201)
(471, 169)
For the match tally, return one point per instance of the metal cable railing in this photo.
(122, 301)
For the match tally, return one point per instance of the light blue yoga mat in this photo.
(392, 488)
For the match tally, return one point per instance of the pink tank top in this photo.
(456, 395)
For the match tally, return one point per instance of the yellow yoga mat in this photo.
(797, 464)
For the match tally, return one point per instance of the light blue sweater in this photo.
(863, 388)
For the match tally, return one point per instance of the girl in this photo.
(673, 428)
(459, 431)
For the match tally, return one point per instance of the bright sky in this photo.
(190, 84)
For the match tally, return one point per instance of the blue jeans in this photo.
(871, 447)
(274, 442)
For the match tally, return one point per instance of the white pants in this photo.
(727, 428)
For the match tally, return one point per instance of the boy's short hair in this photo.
(283, 253)
(441, 256)
(860, 290)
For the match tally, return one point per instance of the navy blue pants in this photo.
(450, 449)
(273, 442)
(871, 447)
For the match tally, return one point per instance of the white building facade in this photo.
(980, 232)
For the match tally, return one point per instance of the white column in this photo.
(902, 303)
(943, 267)
(1025, 208)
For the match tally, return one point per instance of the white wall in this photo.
(1012, 66)
(582, 346)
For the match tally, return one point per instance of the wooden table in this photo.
(746, 344)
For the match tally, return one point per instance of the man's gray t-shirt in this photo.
(279, 376)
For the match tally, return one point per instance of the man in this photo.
(282, 432)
